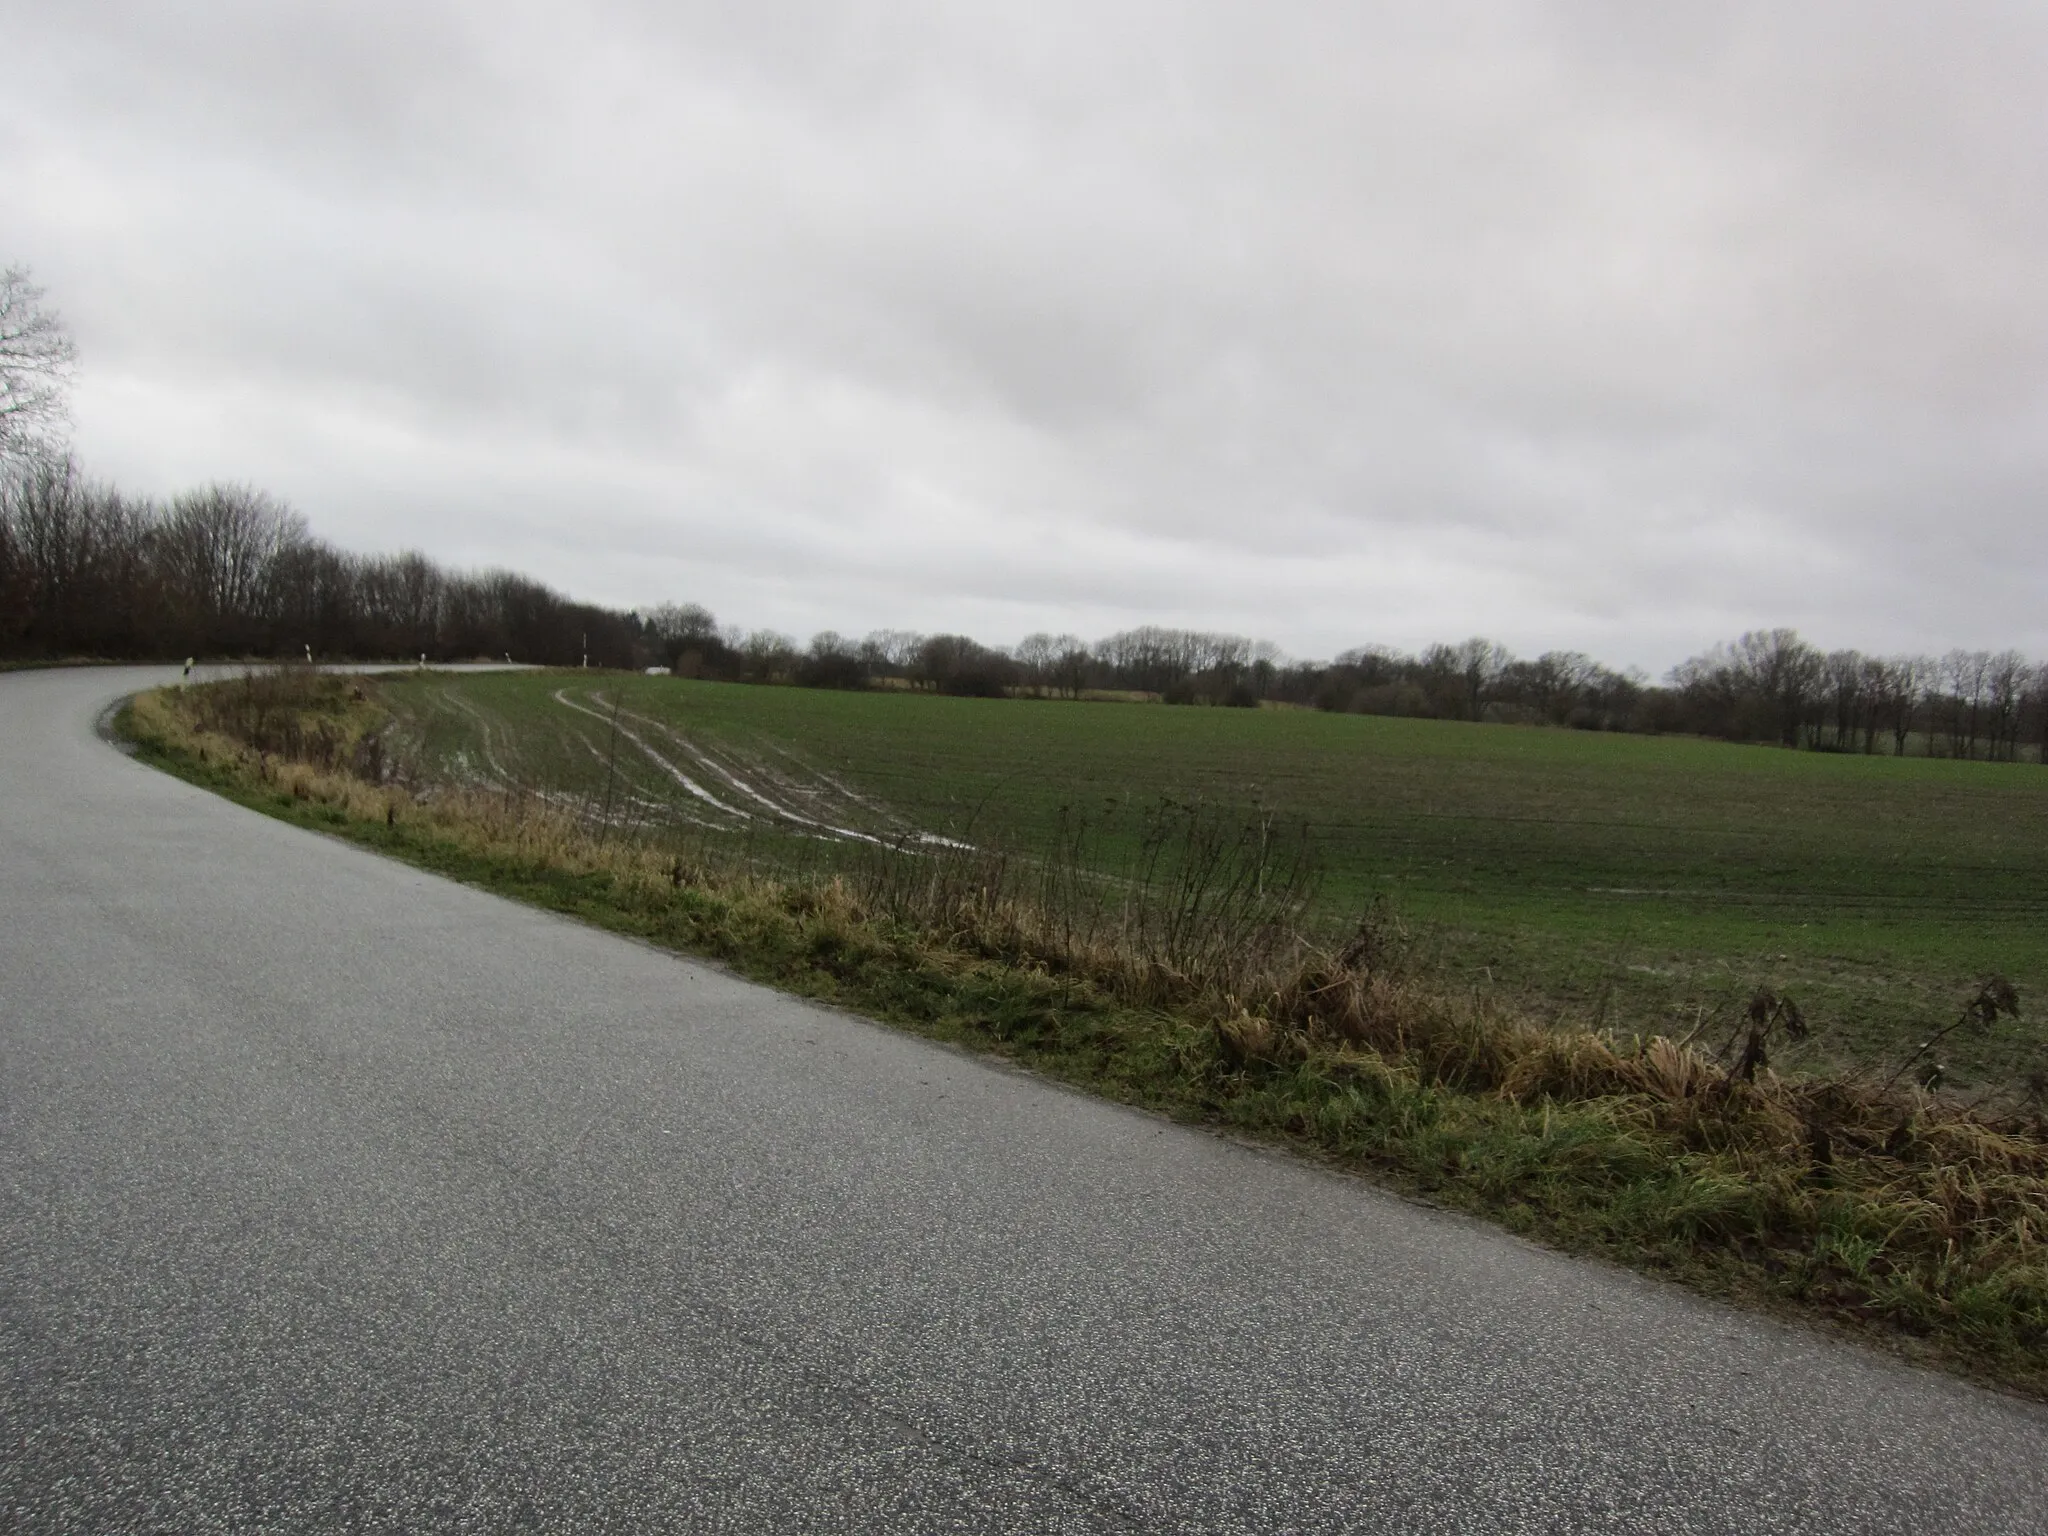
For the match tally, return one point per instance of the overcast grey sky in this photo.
(1615, 326)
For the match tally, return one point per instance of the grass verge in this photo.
(1865, 1204)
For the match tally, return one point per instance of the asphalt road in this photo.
(334, 1196)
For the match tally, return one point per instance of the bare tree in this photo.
(217, 552)
(1841, 679)
(767, 656)
(686, 640)
(891, 652)
(1965, 689)
(1785, 673)
(829, 642)
(958, 664)
(682, 625)
(1874, 685)
(14, 600)
(1035, 655)
(833, 661)
(74, 552)
(2039, 696)
(399, 599)
(1480, 663)
(1070, 663)
(1909, 679)
(2005, 693)
(1554, 683)
(36, 355)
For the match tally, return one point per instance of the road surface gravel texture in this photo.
(338, 1196)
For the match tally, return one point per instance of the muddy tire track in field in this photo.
(736, 778)
(494, 774)
(615, 721)
(792, 793)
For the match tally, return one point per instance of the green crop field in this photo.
(1646, 884)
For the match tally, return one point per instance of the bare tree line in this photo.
(1186, 666)
(224, 570)
(1770, 685)
(1766, 686)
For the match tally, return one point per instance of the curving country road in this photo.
(337, 1196)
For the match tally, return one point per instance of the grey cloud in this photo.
(1583, 324)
